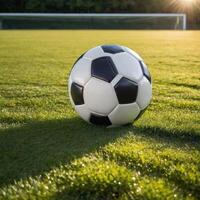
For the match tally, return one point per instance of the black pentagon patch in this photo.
(126, 91)
(77, 94)
(145, 71)
(103, 68)
(112, 49)
(100, 120)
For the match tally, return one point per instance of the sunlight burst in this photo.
(186, 1)
(183, 5)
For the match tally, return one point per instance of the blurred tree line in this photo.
(101, 6)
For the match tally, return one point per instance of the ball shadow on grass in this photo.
(38, 147)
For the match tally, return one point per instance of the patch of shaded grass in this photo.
(37, 147)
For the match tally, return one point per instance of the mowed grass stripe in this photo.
(92, 177)
(180, 166)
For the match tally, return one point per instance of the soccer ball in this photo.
(110, 85)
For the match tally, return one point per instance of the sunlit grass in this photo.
(48, 152)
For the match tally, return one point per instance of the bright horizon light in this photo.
(186, 1)
(183, 5)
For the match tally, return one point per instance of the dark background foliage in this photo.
(102, 6)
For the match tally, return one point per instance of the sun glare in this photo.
(186, 1)
(183, 5)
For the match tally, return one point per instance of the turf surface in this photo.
(48, 152)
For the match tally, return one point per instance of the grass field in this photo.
(48, 152)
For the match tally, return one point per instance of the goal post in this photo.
(93, 20)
